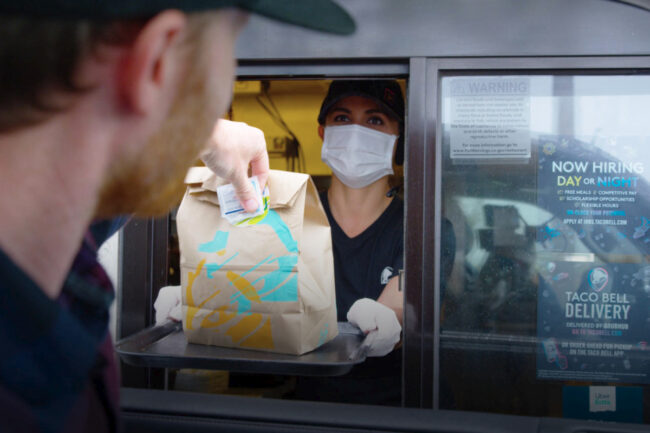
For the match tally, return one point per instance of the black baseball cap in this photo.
(323, 15)
(386, 93)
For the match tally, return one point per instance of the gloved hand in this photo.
(378, 322)
(168, 304)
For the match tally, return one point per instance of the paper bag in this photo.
(267, 284)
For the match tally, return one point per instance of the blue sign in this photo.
(593, 317)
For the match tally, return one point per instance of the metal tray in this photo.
(165, 346)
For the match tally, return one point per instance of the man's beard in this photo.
(152, 183)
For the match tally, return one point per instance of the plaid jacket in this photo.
(57, 366)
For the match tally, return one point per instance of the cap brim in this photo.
(323, 15)
(327, 107)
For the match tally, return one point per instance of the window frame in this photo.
(143, 264)
(427, 153)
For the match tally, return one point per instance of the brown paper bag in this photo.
(265, 286)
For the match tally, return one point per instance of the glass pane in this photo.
(546, 310)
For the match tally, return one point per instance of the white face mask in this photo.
(358, 156)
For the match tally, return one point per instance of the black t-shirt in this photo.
(364, 264)
(362, 267)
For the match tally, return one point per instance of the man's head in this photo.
(160, 78)
(379, 97)
(148, 180)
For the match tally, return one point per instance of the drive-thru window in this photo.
(527, 130)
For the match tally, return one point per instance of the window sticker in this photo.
(490, 118)
(603, 403)
(602, 399)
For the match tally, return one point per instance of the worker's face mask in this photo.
(358, 156)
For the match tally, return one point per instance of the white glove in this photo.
(168, 304)
(378, 322)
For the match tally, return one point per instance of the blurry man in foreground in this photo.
(103, 107)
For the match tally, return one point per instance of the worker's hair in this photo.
(40, 57)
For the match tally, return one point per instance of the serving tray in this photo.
(165, 346)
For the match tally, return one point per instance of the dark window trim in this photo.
(321, 69)
(415, 352)
(143, 271)
(174, 411)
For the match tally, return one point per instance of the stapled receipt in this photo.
(231, 208)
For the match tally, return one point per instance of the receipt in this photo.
(231, 208)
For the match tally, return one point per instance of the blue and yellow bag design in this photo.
(266, 284)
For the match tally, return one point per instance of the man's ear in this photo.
(150, 69)
(321, 131)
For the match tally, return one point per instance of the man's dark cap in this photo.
(323, 15)
(386, 93)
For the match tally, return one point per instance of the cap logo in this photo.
(389, 95)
